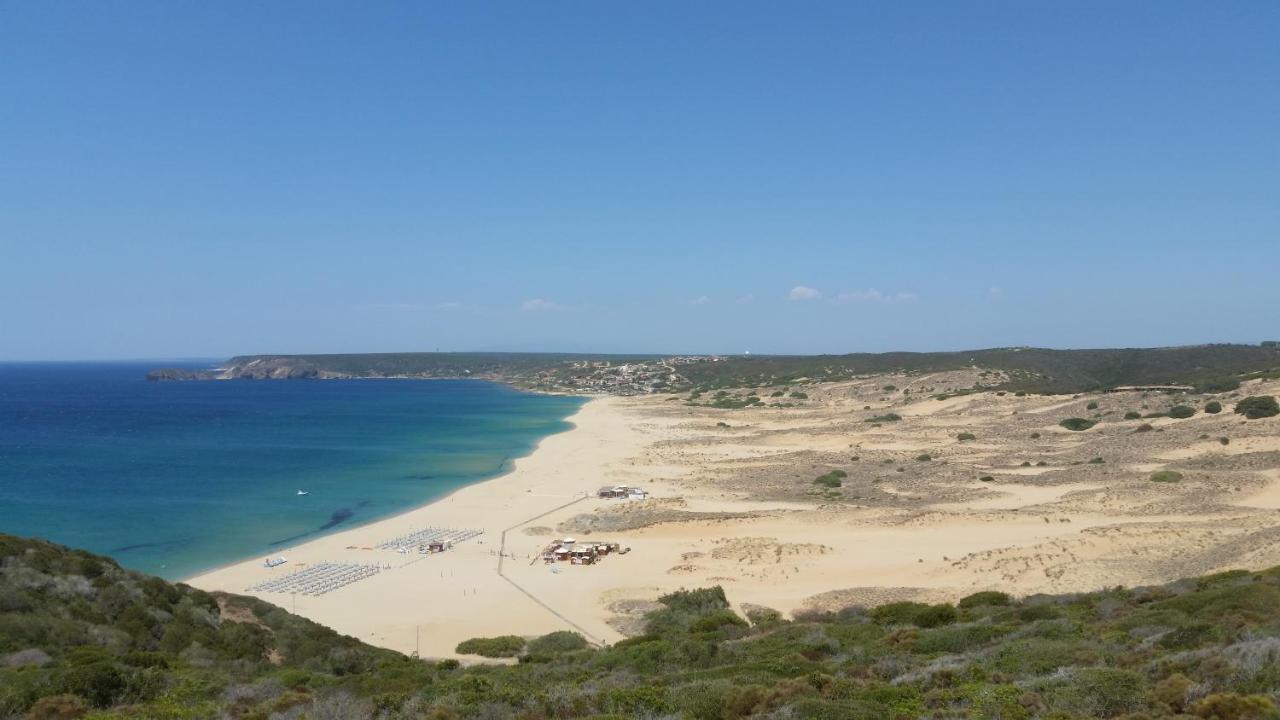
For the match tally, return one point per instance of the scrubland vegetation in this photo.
(83, 638)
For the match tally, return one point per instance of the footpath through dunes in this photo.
(887, 487)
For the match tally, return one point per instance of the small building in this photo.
(621, 492)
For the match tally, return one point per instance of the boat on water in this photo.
(303, 492)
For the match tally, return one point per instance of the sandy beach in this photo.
(1025, 507)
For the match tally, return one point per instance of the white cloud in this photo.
(746, 299)
(537, 304)
(800, 292)
(700, 300)
(451, 305)
(995, 294)
(872, 295)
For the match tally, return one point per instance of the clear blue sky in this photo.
(202, 179)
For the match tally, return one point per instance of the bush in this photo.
(958, 638)
(1181, 412)
(1213, 407)
(492, 647)
(800, 396)
(560, 641)
(1077, 424)
(987, 478)
(1091, 406)
(57, 707)
(1132, 415)
(1144, 427)
(887, 417)
(1231, 706)
(832, 479)
(964, 436)
(1035, 436)
(1166, 476)
(1255, 407)
(986, 597)
(913, 613)
(1099, 692)
(924, 457)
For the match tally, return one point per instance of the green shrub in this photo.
(958, 638)
(1166, 476)
(560, 641)
(1077, 424)
(986, 597)
(1097, 692)
(717, 620)
(492, 647)
(1256, 407)
(1213, 407)
(832, 479)
(1097, 461)
(913, 613)
(1144, 427)
(1091, 406)
(924, 457)
(1181, 412)
(1233, 706)
(1035, 436)
(887, 417)
(965, 436)
(800, 396)
(987, 478)
(1132, 415)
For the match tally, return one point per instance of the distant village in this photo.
(620, 378)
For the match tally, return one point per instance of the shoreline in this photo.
(439, 594)
(510, 464)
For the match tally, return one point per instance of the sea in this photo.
(173, 478)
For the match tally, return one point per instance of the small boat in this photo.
(303, 492)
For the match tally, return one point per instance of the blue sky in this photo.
(183, 179)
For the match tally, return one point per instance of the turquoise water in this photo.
(177, 477)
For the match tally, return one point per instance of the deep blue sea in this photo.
(177, 477)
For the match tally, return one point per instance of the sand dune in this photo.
(738, 507)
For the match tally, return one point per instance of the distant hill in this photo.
(80, 635)
(1039, 370)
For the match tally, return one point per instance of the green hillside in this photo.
(80, 637)
(1039, 370)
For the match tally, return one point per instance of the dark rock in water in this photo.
(338, 517)
(178, 374)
